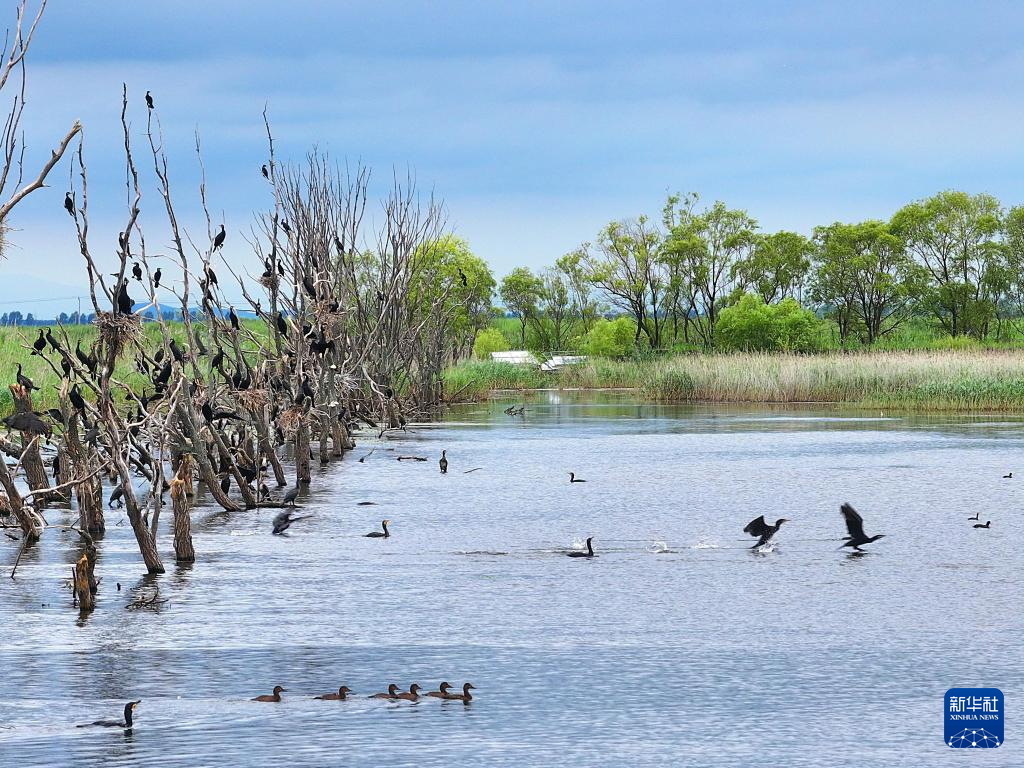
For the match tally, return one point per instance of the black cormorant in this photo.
(156, 278)
(283, 521)
(149, 100)
(76, 399)
(443, 463)
(26, 421)
(69, 203)
(233, 317)
(986, 525)
(574, 479)
(1008, 476)
(218, 241)
(116, 497)
(39, 344)
(265, 171)
(762, 530)
(380, 534)
(126, 723)
(588, 553)
(282, 326)
(855, 527)
(275, 696)
(291, 495)
(25, 381)
(977, 516)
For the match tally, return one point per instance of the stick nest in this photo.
(291, 418)
(253, 399)
(118, 331)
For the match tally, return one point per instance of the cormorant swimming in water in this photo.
(380, 534)
(977, 516)
(218, 241)
(283, 521)
(986, 525)
(39, 344)
(126, 723)
(442, 691)
(466, 696)
(69, 203)
(855, 527)
(342, 693)
(1008, 477)
(588, 553)
(25, 381)
(758, 527)
(574, 479)
(391, 694)
(149, 101)
(412, 695)
(275, 696)
(443, 463)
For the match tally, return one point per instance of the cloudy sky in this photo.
(537, 122)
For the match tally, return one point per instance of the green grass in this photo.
(946, 380)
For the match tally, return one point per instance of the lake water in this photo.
(676, 646)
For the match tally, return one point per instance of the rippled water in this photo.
(676, 646)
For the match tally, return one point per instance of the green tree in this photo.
(751, 325)
(487, 341)
(519, 292)
(611, 338)
(776, 267)
(552, 319)
(954, 235)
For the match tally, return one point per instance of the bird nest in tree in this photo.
(253, 399)
(117, 331)
(291, 418)
(270, 282)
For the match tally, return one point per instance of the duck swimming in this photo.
(385, 534)
(465, 697)
(391, 694)
(275, 696)
(588, 553)
(341, 695)
(126, 723)
(441, 692)
(412, 695)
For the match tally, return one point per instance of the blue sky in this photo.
(537, 122)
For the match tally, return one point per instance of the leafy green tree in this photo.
(776, 267)
(954, 236)
(487, 341)
(520, 291)
(584, 308)
(751, 325)
(611, 338)
(624, 264)
(709, 245)
(866, 276)
(551, 323)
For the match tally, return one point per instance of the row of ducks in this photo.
(394, 693)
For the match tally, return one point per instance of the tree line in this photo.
(954, 258)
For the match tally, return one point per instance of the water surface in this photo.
(676, 645)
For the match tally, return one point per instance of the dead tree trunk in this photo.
(180, 501)
(302, 453)
(85, 577)
(26, 520)
(32, 460)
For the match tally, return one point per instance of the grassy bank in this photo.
(952, 380)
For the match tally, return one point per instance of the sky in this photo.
(536, 122)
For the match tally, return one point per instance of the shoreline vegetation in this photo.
(946, 380)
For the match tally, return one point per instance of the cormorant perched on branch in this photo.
(588, 553)
(54, 345)
(28, 422)
(156, 278)
(126, 723)
(39, 344)
(124, 301)
(285, 227)
(761, 529)
(25, 381)
(149, 101)
(69, 203)
(855, 527)
(76, 399)
(265, 171)
(210, 274)
(218, 241)
(282, 326)
(233, 318)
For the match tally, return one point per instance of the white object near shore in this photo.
(558, 361)
(516, 357)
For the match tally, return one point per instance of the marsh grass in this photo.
(944, 380)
